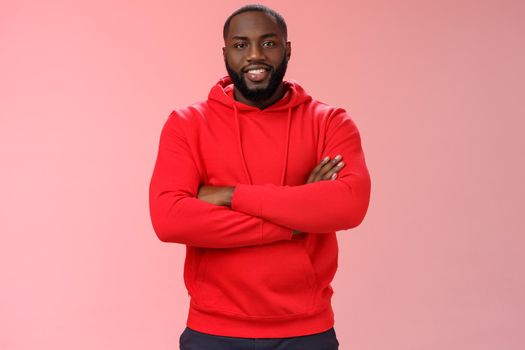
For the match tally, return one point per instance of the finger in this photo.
(328, 168)
(315, 171)
(329, 175)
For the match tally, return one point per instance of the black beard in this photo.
(256, 95)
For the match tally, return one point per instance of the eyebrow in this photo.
(246, 38)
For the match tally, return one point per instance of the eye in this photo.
(269, 44)
(239, 45)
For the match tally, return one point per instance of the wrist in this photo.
(228, 195)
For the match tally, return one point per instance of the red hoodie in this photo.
(245, 274)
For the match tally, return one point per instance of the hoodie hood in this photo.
(222, 92)
(295, 95)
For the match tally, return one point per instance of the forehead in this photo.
(252, 24)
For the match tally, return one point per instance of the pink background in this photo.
(435, 87)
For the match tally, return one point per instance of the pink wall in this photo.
(436, 88)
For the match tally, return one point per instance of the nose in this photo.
(255, 53)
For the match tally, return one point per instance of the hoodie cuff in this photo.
(272, 232)
(248, 199)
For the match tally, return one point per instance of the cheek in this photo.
(234, 61)
(276, 58)
(279, 56)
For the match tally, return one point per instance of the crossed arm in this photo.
(222, 195)
(184, 212)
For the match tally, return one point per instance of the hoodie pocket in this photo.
(274, 280)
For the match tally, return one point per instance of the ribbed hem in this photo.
(222, 325)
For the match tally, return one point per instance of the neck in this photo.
(278, 94)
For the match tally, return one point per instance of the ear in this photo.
(288, 50)
(224, 52)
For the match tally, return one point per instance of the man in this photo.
(255, 181)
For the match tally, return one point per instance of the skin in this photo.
(255, 38)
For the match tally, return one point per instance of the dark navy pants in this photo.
(191, 339)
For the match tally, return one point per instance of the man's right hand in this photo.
(326, 170)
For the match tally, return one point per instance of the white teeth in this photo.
(254, 71)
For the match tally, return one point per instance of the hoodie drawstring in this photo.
(239, 144)
(286, 145)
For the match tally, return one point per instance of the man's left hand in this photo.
(218, 195)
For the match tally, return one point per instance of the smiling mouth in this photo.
(257, 74)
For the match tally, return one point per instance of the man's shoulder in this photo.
(190, 114)
(190, 111)
(331, 116)
(326, 110)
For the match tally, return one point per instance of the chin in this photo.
(257, 86)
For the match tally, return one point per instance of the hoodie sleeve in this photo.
(322, 206)
(178, 216)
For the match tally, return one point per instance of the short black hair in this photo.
(261, 8)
